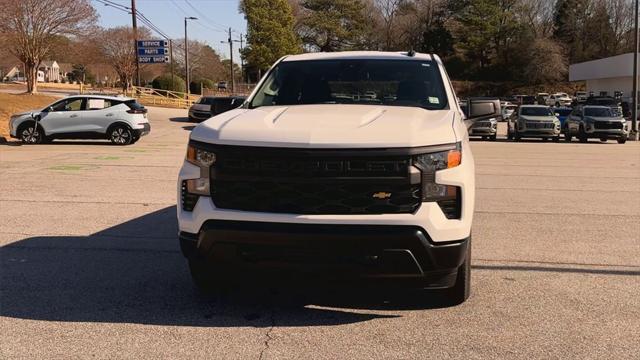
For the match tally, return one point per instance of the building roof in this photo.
(380, 55)
(611, 67)
(48, 63)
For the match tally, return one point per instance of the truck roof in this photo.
(375, 55)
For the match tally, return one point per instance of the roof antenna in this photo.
(411, 53)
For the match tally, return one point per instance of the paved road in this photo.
(90, 265)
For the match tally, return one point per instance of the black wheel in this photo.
(556, 139)
(30, 133)
(493, 137)
(567, 135)
(582, 135)
(462, 289)
(622, 140)
(120, 135)
(517, 136)
(509, 135)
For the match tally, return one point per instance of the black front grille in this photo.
(540, 125)
(312, 182)
(608, 125)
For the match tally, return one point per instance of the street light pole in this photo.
(634, 95)
(186, 53)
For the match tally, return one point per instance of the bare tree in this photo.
(538, 16)
(29, 29)
(118, 48)
(621, 14)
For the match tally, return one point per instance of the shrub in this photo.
(163, 82)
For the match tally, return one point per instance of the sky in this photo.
(214, 19)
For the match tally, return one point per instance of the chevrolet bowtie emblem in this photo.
(382, 195)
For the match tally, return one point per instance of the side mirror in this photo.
(482, 108)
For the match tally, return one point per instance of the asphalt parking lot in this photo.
(90, 264)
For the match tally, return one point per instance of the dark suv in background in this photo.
(209, 106)
(613, 103)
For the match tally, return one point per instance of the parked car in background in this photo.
(580, 96)
(533, 121)
(119, 119)
(594, 121)
(201, 109)
(524, 99)
(208, 106)
(222, 85)
(559, 99)
(562, 113)
(507, 110)
(224, 104)
(486, 129)
(608, 101)
(541, 98)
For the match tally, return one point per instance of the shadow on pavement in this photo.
(134, 273)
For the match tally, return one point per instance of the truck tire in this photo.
(567, 135)
(582, 135)
(622, 140)
(460, 292)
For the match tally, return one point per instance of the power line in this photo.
(205, 17)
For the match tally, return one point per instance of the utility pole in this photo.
(135, 39)
(171, 61)
(186, 53)
(634, 95)
(241, 59)
(233, 80)
(231, 41)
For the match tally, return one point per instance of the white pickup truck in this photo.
(313, 172)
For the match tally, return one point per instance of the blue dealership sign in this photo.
(153, 59)
(153, 51)
(152, 43)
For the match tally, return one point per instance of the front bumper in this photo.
(349, 251)
(199, 115)
(539, 132)
(483, 131)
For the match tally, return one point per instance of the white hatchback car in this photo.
(119, 119)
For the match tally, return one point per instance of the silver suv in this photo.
(593, 121)
(534, 121)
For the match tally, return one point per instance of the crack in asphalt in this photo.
(267, 334)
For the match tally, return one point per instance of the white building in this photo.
(606, 75)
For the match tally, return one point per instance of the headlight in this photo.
(200, 186)
(433, 162)
(429, 164)
(200, 157)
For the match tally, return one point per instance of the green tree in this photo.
(486, 29)
(270, 33)
(333, 25)
(570, 20)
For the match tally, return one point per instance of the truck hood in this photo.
(329, 126)
(601, 118)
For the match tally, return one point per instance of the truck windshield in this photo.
(598, 112)
(415, 83)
